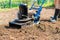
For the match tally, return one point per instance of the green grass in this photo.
(15, 3)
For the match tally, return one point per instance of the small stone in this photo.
(32, 38)
(25, 31)
(1, 35)
(20, 31)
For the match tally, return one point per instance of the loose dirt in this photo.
(45, 31)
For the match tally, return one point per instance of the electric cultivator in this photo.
(23, 18)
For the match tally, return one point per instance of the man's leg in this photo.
(56, 14)
(59, 14)
(55, 17)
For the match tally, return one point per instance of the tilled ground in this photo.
(44, 31)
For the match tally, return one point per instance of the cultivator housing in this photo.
(22, 18)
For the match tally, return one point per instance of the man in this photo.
(57, 11)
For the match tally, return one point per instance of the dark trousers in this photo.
(57, 14)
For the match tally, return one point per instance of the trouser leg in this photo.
(59, 14)
(56, 14)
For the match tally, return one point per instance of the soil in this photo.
(44, 31)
